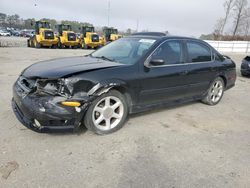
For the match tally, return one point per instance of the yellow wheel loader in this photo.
(89, 39)
(110, 34)
(44, 36)
(67, 37)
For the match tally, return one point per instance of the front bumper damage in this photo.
(39, 104)
(45, 113)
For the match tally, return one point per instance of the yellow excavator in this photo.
(66, 37)
(89, 38)
(44, 36)
(110, 34)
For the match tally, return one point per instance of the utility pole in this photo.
(137, 25)
(108, 11)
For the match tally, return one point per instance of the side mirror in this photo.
(157, 62)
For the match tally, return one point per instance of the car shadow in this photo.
(82, 129)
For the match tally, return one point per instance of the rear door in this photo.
(201, 67)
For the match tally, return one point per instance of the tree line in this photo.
(235, 25)
(15, 21)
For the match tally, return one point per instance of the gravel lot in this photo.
(192, 145)
(13, 41)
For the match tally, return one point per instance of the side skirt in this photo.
(143, 108)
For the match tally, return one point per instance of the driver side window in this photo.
(170, 52)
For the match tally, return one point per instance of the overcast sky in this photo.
(179, 17)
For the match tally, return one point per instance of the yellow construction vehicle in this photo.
(89, 39)
(110, 34)
(67, 37)
(44, 36)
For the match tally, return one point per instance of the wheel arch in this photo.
(118, 85)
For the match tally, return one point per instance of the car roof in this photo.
(159, 35)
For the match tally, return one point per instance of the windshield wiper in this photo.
(104, 58)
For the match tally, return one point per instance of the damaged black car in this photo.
(130, 75)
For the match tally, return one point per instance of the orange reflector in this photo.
(71, 103)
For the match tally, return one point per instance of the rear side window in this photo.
(170, 52)
(198, 52)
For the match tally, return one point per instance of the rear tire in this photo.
(215, 92)
(107, 113)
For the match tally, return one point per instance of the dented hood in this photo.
(58, 68)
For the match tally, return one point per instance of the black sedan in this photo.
(130, 75)
(245, 66)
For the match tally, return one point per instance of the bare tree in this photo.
(218, 27)
(239, 10)
(13, 20)
(228, 5)
(247, 23)
(2, 19)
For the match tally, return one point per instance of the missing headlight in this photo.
(52, 87)
(48, 86)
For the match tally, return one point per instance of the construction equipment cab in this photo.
(89, 39)
(44, 36)
(110, 34)
(67, 37)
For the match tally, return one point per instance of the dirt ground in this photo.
(192, 145)
(13, 41)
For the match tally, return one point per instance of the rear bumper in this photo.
(71, 43)
(48, 42)
(230, 78)
(94, 44)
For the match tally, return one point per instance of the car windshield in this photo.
(124, 50)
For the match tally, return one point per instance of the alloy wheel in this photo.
(108, 113)
(216, 91)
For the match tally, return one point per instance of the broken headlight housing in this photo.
(54, 87)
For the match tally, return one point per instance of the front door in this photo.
(167, 82)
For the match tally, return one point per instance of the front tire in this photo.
(60, 45)
(37, 44)
(215, 92)
(28, 43)
(84, 46)
(107, 113)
